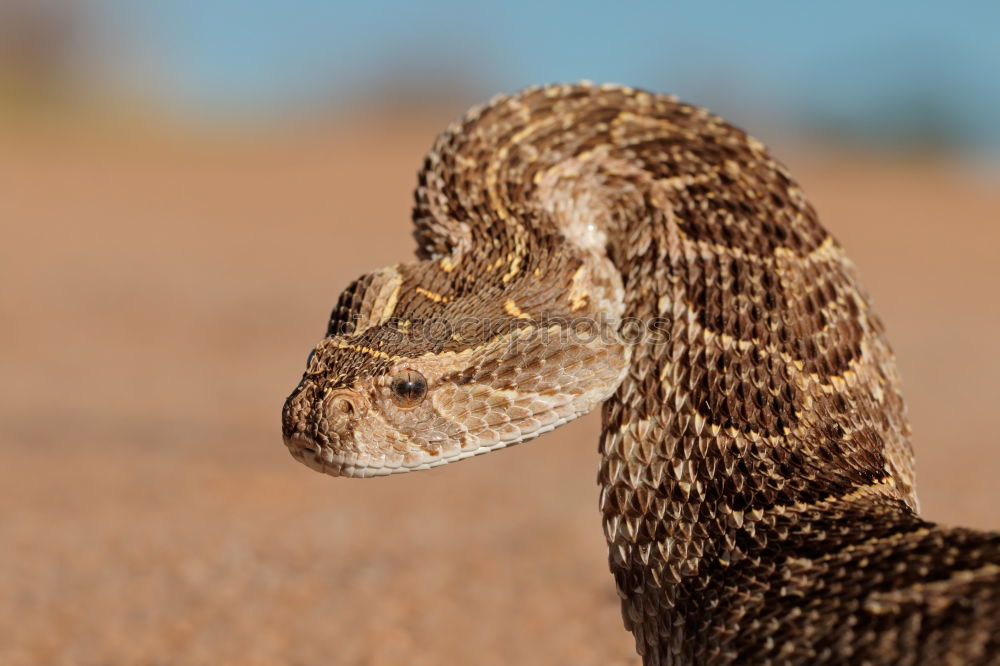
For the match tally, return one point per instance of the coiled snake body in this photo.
(583, 244)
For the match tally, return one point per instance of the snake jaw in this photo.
(324, 458)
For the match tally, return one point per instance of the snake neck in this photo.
(759, 377)
(760, 419)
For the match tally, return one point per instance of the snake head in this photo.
(366, 407)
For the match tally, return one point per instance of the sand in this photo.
(159, 297)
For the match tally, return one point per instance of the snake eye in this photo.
(408, 388)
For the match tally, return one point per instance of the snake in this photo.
(582, 245)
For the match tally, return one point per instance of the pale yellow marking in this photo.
(515, 262)
(434, 296)
(644, 121)
(341, 344)
(826, 250)
(577, 295)
(465, 162)
(386, 297)
(502, 338)
(511, 308)
(520, 136)
(390, 306)
(446, 264)
(680, 182)
(784, 253)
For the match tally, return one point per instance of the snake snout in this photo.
(296, 412)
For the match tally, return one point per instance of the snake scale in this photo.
(583, 244)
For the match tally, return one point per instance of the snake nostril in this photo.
(341, 404)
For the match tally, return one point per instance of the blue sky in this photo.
(855, 65)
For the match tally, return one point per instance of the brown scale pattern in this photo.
(756, 472)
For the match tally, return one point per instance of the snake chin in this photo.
(327, 460)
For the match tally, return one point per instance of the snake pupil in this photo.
(408, 388)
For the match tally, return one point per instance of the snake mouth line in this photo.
(322, 458)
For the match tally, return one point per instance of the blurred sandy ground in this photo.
(160, 291)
